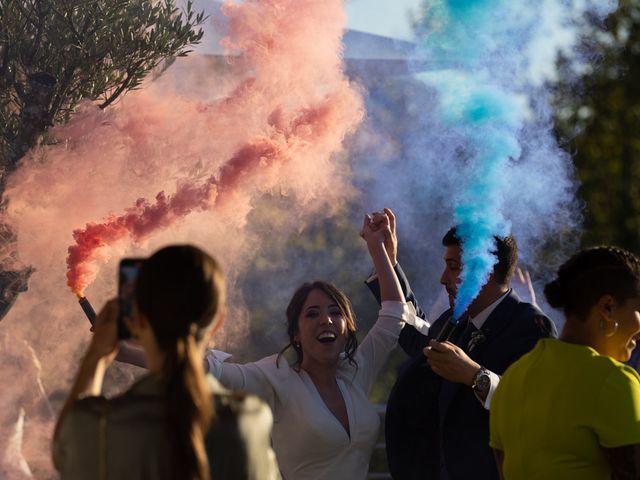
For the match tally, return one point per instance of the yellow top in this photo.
(558, 406)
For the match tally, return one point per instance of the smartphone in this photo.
(127, 274)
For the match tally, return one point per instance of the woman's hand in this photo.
(102, 351)
(387, 217)
(375, 229)
(522, 285)
(104, 343)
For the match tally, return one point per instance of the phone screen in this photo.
(127, 275)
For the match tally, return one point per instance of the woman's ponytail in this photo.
(180, 290)
(189, 409)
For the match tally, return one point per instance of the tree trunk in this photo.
(35, 118)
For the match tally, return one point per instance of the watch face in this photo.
(483, 382)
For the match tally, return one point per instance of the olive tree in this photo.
(55, 53)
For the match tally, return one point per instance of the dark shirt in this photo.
(125, 438)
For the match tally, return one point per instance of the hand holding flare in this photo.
(451, 362)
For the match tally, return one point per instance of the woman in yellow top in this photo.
(569, 409)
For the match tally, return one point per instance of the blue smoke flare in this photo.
(497, 55)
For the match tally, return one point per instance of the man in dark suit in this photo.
(437, 419)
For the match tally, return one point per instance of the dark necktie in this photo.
(460, 330)
(465, 335)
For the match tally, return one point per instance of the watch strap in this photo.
(476, 385)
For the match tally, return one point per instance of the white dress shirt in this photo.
(478, 322)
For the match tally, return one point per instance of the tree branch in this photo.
(123, 86)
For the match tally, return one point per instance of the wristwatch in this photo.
(481, 381)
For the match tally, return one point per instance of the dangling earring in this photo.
(296, 344)
(603, 328)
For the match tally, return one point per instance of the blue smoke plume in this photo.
(496, 56)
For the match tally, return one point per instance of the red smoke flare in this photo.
(143, 219)
(296, 106)
(138, 221)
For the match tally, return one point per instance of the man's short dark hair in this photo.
(507, 253)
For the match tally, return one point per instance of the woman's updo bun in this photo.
(588, 275)
(555, 294)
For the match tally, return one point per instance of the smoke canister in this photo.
(87, 309)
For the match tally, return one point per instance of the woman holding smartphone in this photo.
(176, 422)
(325, 427)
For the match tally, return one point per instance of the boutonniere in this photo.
(477, 338)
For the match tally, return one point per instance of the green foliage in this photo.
(54, 53)
(602, 124)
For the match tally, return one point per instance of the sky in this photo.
(383, 17)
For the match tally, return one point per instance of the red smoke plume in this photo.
(297, 106)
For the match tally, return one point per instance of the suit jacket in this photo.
(430, 420)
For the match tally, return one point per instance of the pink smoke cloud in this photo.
(184, 159)
(296, 106)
